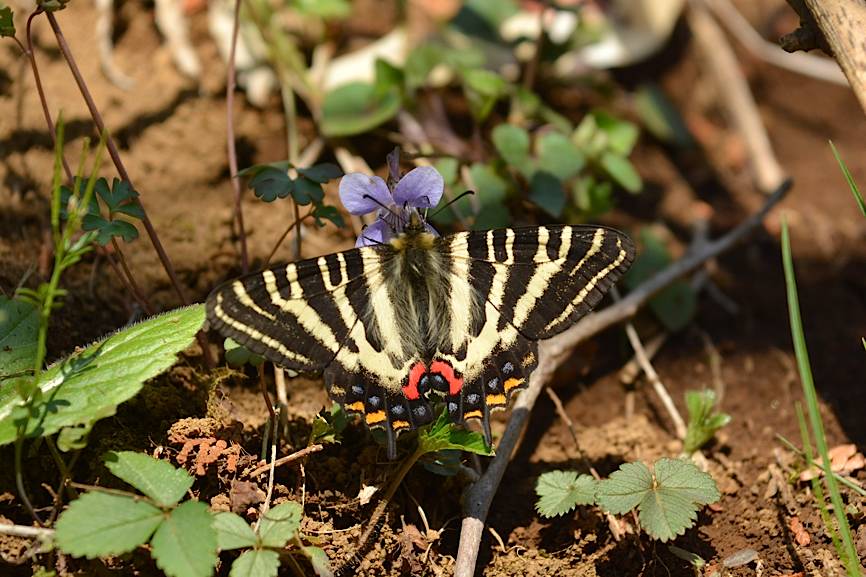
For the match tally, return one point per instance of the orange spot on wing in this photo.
(356, 406)
(513, 383)
(373, 418)
(495, 399)
(473, 415)
(400, 425)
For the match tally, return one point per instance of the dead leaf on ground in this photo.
(801, 536)
(844, 459)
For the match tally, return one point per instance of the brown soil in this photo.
(171, 132)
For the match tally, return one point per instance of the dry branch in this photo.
(553, 352)
(836, 27)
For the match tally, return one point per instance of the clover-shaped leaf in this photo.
(667, 498)
(271, 183)
(322, 212)
(7, 23)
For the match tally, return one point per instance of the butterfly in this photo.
(398, 325)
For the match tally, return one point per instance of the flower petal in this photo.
(377, 233)
(421, 187)
(359, 193)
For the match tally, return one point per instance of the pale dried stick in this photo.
(553, 353)
(801, 63)
(736, 96)
(288, 459)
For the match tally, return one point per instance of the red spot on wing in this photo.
(410, 390)
(455, 383)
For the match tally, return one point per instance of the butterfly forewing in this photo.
(396, 325)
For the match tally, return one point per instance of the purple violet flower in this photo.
(421, 187)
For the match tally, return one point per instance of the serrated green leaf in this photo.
(94, 381)
(99, 525)
(256, 563)
(319, 560)
(356, 107)
(443, 434)
(233, 532)
(625, 488)
(621, 170)
(703, 423)
(185, 545)
(546, 191)
(559, 156)
(512, 143)
(19, 333)
(667, 499)
(280, 524)
(157, 479)
(561, 491)
(322, 173)
(271, 183)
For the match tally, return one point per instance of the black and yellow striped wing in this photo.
(395, 326)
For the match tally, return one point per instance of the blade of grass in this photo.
(844, 480)
(850, 559)
(858, 196)
(817, 488)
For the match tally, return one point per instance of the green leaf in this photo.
(238, 355)
(447, 167)
(19, 333)
(121, 197)
(306, 191)
(512, 143)
(561, 491)
(322, 173)
(676, 305)
(592, 197)
(703, 422)
(660, 117)
(621, 134)
(328, 426)
(99, 525)
(667, 499)
(420, 62)
(157, 479)
(388, 77)
(559, 156)
(324, 9)
(280, 524)
(97, 379)
(271, 183)
(319, 560)
(443, 434)
(621, 170)
(491, 188)
(185, 545)
(322, 212)
(233, 532)
(546, 191)
(492, 216)
(282, 165)
(693, 559)
(355, 108)
(483, 88)
(7, 22)
(256, 563)
(112, 228)
(852, 184)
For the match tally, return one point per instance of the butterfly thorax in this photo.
(416, 274)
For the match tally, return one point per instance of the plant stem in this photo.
(230, 138)
(124, 175)
(285, 234)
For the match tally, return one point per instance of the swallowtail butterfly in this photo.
(395, 325)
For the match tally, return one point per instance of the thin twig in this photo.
(655, 381)
(124, 175)
(799, 62)
(230, 138)
(288, 459)
(736, 96)
(629, 373)
(26, 531)
(554, 352)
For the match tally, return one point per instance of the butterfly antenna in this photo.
(376, 200)
(452, 201)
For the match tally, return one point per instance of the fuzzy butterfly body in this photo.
(396, 326)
